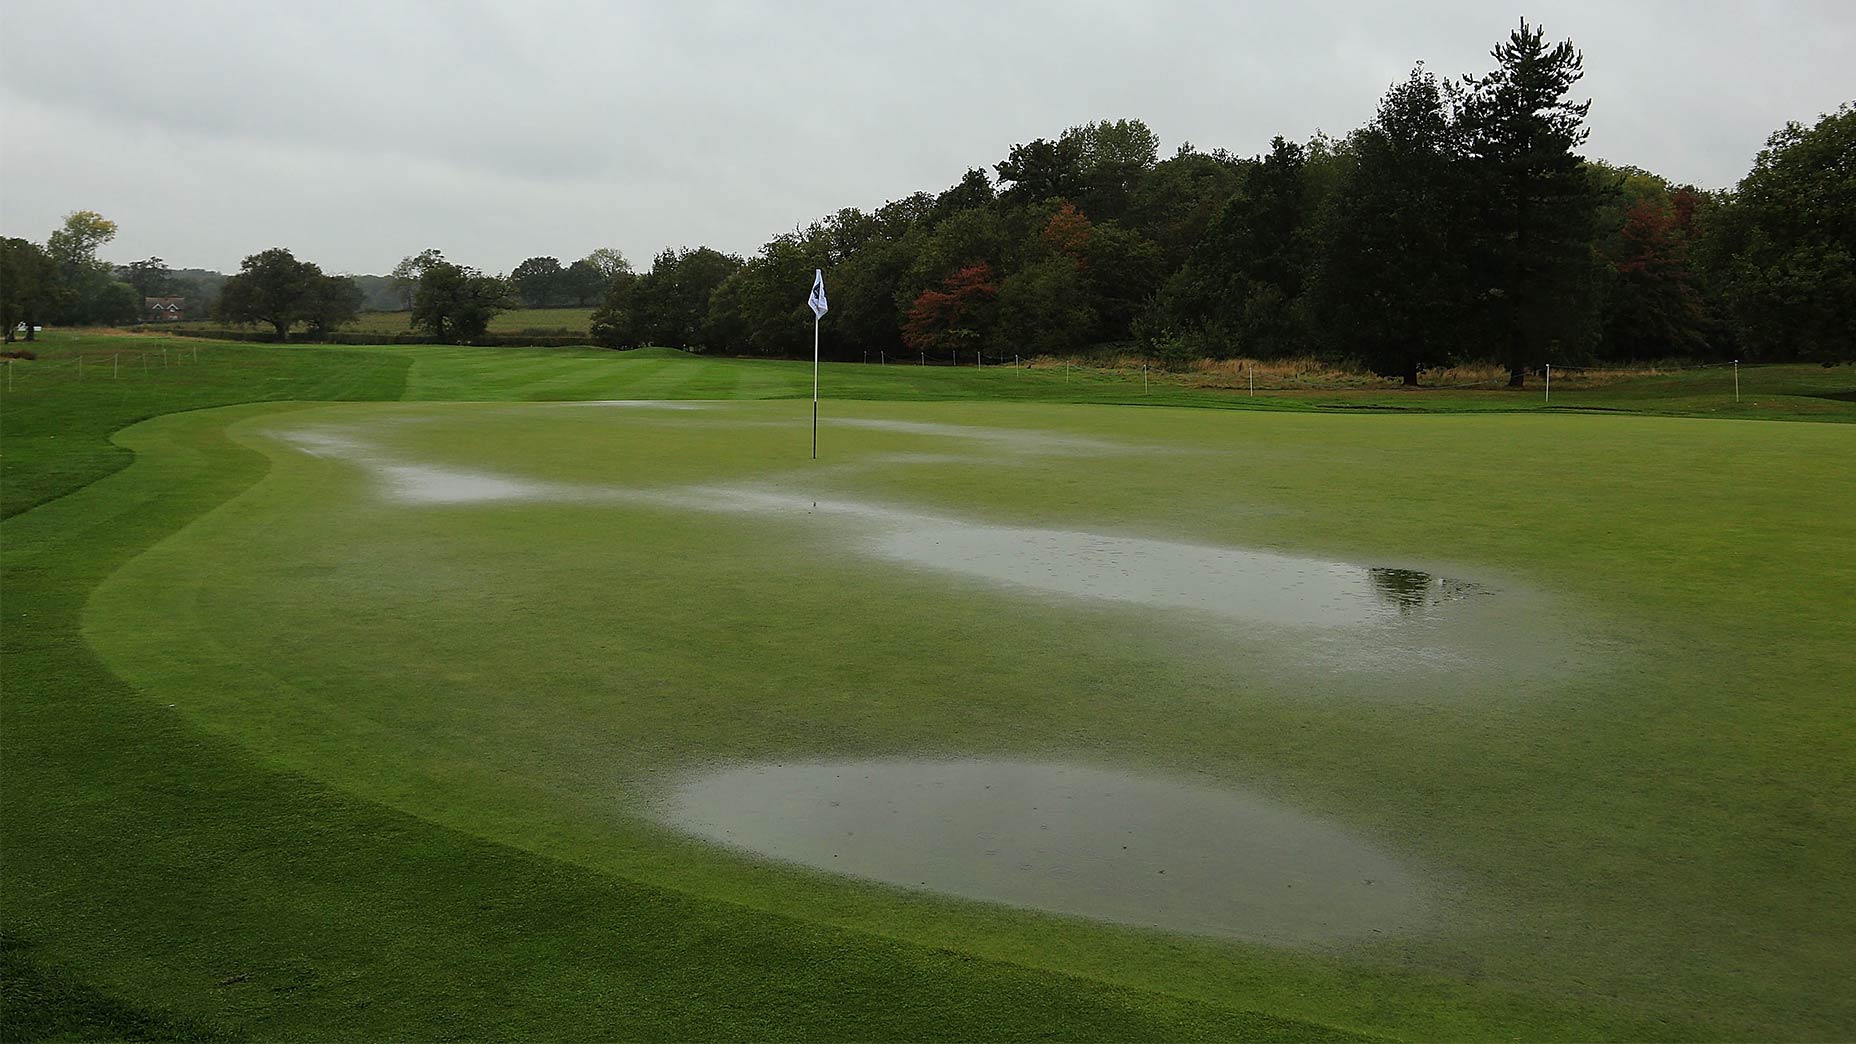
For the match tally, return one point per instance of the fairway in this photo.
(1568, 691)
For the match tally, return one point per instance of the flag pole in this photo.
(815, 322)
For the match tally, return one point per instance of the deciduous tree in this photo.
(455, 303)
(1784, 249)
(537, 280)
(271, 287)
(1394, 288)
(583, 283)
(83, 277)
(334, 301)
(29, 287)
(951, 317)
(410, 270)
(1652, 309)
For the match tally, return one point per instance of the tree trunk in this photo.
(32, 323)
(1411, 376)
(1516, 375)
(283, 331)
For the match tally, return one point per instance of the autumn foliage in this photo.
(945, 319)
(1068, 232)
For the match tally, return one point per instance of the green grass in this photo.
(1651, 839)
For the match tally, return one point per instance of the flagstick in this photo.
(1736, 380)
(815, 322)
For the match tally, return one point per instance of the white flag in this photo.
(817, 300)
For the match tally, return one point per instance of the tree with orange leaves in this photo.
(948, 318)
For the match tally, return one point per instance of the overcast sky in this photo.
(356, 133)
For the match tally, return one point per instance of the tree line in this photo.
(1460, 224)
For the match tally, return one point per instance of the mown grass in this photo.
(1655, 840)
(169, 882)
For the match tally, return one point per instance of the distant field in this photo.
(515, 321)
(520, 320)
(1601, 783)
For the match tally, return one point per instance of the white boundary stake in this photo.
(1549, 382)
(1143, 378)
(1736, 380)
(115, 364)
(1252, 371)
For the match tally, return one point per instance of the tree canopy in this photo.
(275, 287)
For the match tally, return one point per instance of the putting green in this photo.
(1580, 683)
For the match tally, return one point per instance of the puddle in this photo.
(424, 483)
(1067, 839)
(418, 484)
(1256, 586)
(1252, 585)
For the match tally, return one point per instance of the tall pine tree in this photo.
(1536, 204)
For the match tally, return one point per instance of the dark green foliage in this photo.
(760, 308)
(407, 273)
(1652, 309)
(116, 302)
(1239, 291)
(975, 190)
(1536, 203)
(1042, 170)
(1043, 309)
(612, 326)
(538, 281)
(1116, 155)
(454, 303)
(1122, 270)
(29, 289)
(150, 277)
(670, 303)
(1394, 289)
(333, 301)
(274, 287)
(1175, 203)
(583, 282)
(1785, 254)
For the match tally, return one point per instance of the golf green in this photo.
(1570, 692)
